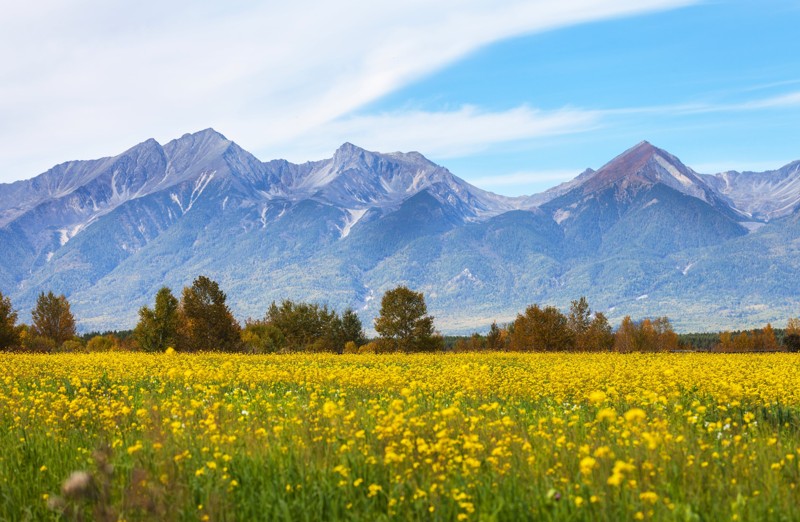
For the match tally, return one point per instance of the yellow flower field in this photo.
(492, 436)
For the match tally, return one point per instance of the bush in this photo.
(38, 344)
(101, 343)
(259, 337)
(73, 346)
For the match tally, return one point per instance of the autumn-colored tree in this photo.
(793, 326)
(625, 339)
(588, 333)
(158, 327)
(9, 332)
(766, 340)
(666, 339)
(494, 337)
(725, 344)
(743, 343)
(403, 322)
(52, 318)
(792, 337)
(580, 316)
(102, 343)
(206, 322)
(541, 330)
(475, 343)
(649, 335)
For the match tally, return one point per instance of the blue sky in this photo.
(513, 95)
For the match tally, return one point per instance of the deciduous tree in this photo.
(158, 327)
(52, 318)
(792, 338)
(206, 321)
(403, 322)
(9, 332)
(541, 330)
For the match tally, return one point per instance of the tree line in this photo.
(202, 321)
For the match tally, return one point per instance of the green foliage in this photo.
(403, 322)
(792, 342)
(52, 318)
(260, 337)
(158, 328)
(352, 329)
(314, 328)
(206, 322)
(38, 344)
(9, 332)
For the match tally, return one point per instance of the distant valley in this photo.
(643, 235)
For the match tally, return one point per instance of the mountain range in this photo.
(644, 235)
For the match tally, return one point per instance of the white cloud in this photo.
(780, 101)
(443, 134)
(85, 78)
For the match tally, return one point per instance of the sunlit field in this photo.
(493, 436)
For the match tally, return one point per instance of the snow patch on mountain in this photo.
(561, 215)
(761, 195)
(353, 217)
(673, 171)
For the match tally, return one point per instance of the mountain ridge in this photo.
(343, 229)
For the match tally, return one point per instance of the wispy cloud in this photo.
(84, 78)
(467, 130)
(786, 100)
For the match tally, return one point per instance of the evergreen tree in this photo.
(206, 322)
(9, 332)
(158, 328)
(352, 329)
(52, 318)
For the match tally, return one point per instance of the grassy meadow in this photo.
(489, 436)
